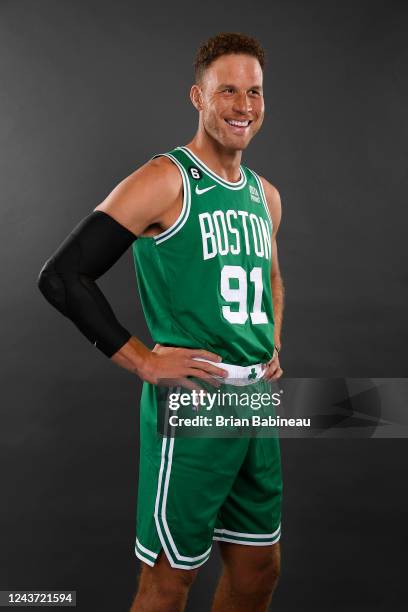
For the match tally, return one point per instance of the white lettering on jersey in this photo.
(256, 233)
(222, 248)
(222, 231)
(233, 230)
(266, 237)
(243, 214)
(207, 234)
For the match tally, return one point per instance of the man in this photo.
(206, 261)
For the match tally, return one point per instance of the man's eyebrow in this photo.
(229, 86)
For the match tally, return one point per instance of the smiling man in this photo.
(203, 231)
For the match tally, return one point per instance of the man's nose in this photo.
(242, 103)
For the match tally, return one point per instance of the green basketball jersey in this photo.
(205, 281)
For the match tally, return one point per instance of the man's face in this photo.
(231, 101)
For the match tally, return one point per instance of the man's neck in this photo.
(222, 161)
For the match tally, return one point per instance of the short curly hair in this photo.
(226, 43)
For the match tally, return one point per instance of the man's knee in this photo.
(270, 573)
(259, 575)
(177, 583)
(260, 579)
(171, 592)
(164, 586)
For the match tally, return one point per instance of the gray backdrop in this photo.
(89, 91)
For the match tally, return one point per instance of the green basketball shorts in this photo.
(193, 491)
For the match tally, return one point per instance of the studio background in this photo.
(89, 92)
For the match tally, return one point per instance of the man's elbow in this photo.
(52, 286)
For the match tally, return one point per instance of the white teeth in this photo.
(238, 123)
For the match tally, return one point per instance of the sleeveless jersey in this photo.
(205, 281)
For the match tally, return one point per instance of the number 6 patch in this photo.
(195, 173)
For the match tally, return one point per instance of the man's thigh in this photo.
(162, 587)
(245, 561)
(163, 576)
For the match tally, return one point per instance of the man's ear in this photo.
(196, 97)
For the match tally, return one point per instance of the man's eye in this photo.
(256, 92)
(229, 90)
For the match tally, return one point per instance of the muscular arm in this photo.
(146, 202)
(67, 279)
(278, 292)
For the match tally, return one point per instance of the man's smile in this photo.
(237, 125)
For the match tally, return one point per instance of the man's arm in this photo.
(278, 291)
(148, 200)
(150, 196)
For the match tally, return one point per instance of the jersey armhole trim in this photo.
(185, 211)
(263, 196)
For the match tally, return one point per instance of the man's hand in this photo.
(167, 362)
(273, 369)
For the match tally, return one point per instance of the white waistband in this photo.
(237, 375)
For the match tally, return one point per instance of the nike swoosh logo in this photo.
(200, 191)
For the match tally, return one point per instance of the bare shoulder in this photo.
(274, 202)
(162, 169)
(143, 197)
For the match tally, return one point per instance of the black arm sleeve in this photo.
(67, 280)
